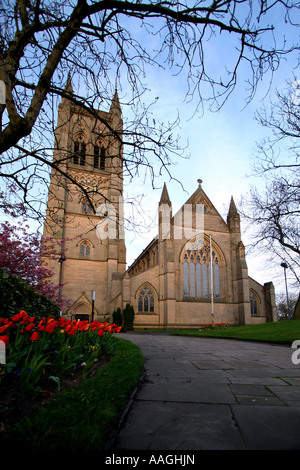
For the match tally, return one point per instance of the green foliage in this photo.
(128, 317)
(15, 295)
(118, 317)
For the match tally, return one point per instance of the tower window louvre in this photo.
(82, 154)
(99, 157)
(102, 158)
(79, 152)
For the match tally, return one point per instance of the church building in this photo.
(193, 272)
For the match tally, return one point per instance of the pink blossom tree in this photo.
(22, 255)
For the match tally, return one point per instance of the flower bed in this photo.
(35, 347)
(214, 326)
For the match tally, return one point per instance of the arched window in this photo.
(86, 207)
(79, 151)
(84, 249)
(254, 303)
(197, 270)
(99, 156)
(146, 300)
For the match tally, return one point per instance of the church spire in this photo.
(69, 87)
(232, 207)
(233, 217)
(165, 196)
(115, 106)
(65, 102)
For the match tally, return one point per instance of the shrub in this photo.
(16, 295)
(128, 317)
(118, 317)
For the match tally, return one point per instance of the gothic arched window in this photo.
(254, 303)
(146, 300)
(84, 249)
(99, 156)
(79, 151)
(197, 271)
(87, 207)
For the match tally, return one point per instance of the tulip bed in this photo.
(214, 326)
(52, 347)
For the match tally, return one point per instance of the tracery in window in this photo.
(146, 300)
(197, 271)
(79, 151)
(253, 303)
(85, 249)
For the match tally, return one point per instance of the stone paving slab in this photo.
(206, 394)
(172, 426)
(187, 392)
(289, 395)
(269, 428)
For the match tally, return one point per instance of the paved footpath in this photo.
(207, 393)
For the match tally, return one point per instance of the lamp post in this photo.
(61, 259)
(284, 266)
(93, 296)
(211, 283)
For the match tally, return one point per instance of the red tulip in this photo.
(29, 327)
(18, 316)
(34, 336)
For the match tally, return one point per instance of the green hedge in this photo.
(15, 295)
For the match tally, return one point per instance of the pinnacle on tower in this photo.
(115, 104)
(232, 208)
(165, 196)
(69, 87)
(233, 217)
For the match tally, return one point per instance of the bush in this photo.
(128, 317)
(117, 317)
(15, 295)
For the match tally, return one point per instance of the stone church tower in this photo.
(87, 151)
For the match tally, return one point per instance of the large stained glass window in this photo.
(197, 268)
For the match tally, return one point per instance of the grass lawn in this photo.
(282, 332)
(82, 418)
